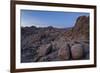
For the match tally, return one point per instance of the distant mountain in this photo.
(55, 44)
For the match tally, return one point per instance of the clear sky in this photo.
(49, 18)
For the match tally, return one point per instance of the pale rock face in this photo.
(44, 50)
(77, 51)
(64, 52)
(59, 43)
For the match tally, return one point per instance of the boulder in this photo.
(64, 52)
(44, 49)
(58, 43)
(77, 51)
(50, 57)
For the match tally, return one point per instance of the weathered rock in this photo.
(64, 52)
(77, 51)
(50, 57)
(58, 43)
(81, 28)
(44, 49)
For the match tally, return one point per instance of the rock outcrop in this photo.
(64, 52)
(81, 28)
(44, 50)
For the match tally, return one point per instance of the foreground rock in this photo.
(50, 57)
(64, 52)
(77, 51)
(44, 50)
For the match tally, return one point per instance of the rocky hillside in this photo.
(55, 44)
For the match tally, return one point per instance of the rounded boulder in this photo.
(77, 51)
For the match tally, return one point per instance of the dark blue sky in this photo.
(49, 18)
